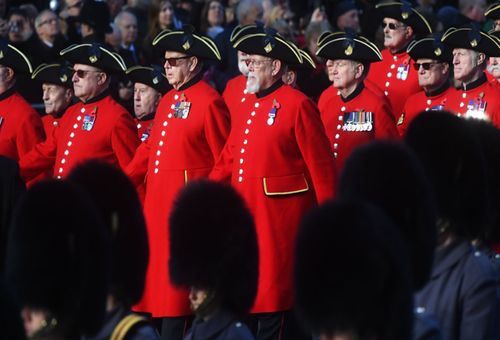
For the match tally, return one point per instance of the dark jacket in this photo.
(222, 326)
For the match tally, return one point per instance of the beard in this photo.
(493, 69)
(242, 66)
(253, 84)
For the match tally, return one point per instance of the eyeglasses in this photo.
(256, 63)
(83, 73)
(48, 21)
(425, 66)
(392, 26)
(173, 61)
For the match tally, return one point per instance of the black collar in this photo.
(191, 82)
(100, 96)
(8, 93)
(147, 117)
(403, 49)
(354, 93)
(439, 90)
(270, 89)
(476, 83)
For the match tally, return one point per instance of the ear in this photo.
(481, 57)
(193, 64)
(409, 32)
(157, 99)
(446, 68)
(276, 66)
(359, 71)
(68, 94)
(10, 74)
(102, 79)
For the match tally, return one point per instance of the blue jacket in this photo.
(462, 294)
(222, 326)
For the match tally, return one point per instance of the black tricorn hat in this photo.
(57, 74)
(96, 14)
(188, 42)
(11, 56)
(472, 38)
(343, 45)
(150, 76)
(405, 13)
(95, 55)
(351, 273)
(58, 255)
(269, 44)
(430, 48)
(120, 208)
(451, 156)
(406, 197)
(493, 11)
(214, 248)
(242, 30)
(307, 62)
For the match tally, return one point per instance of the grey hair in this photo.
(244, 7)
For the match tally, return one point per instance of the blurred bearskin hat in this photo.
(120, 208)
(213, 244)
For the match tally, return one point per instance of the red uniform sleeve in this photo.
(217, 126)
(40, 159)
(124, 140)
(30, 133)
(315, 148)
(385, 126)
(138, 167)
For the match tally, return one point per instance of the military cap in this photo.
(430, 48)
(117, 201)
(347, 45)
(404, 12)
(351, 273)
(95, 55)
(95, 13)
(150, 76)
(270, 44)
(241, 30)
(57, 255)
(493, 11)
(451, 157)
(406, 197)
(214, 248)
(57, 74)
(188, 42)
(11, 56)
(472, 38)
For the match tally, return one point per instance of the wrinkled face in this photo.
(87, 81)
(146, 99)
(431, 73)
(18, 28)
(177, 68)
(464, 63)
(215, 15)
(166, 15)
(48, 26)
(56, 98)
(128, 28)
(259, 73)
(395, 34)
(342, 72)
(349, 19)
(494, 67)
(242, 62)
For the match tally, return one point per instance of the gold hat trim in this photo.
(277, 38)
(205, 40)
(115, 56)
(492, 8)
(42, 67)
(23, 56)
(363, 41)
(453, 30)
(388, 4)
(306, 58)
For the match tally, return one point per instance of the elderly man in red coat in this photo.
(190, 130)
(355, 115)
(95, 127)
(394, 75)
(20, 125)
(278, 158)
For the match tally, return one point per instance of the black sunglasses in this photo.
(82, 73)
(392, 26)
(173, 61)
(425, 66)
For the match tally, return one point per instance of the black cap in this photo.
(269, 44)
(242, 30)
(451, 156)
(188, 42)
(493, 12)
(58, 255)
(405, 13)
(12, 57)
(214, 248)
(95, 55)
(342, 45)
(351, 273)
(430, 48)
(406, 197)
(150, 76)
(57, 74)
(96, 14)
(472, 38)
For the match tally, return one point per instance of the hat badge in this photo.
(348, 50)
(186, 46)
(93, 58)
(405, 15)
(155, 80)
(438, 51)
(268, 48)
(63, 78)
(473, 43)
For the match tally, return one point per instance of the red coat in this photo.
(358, 119)
(421, 101)
(20, 126)
(280, 162)
(112, 137)
(144, 127)
(480, 99)
(178, 150)
(49, 124)
(396, 77)
(235, 92)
